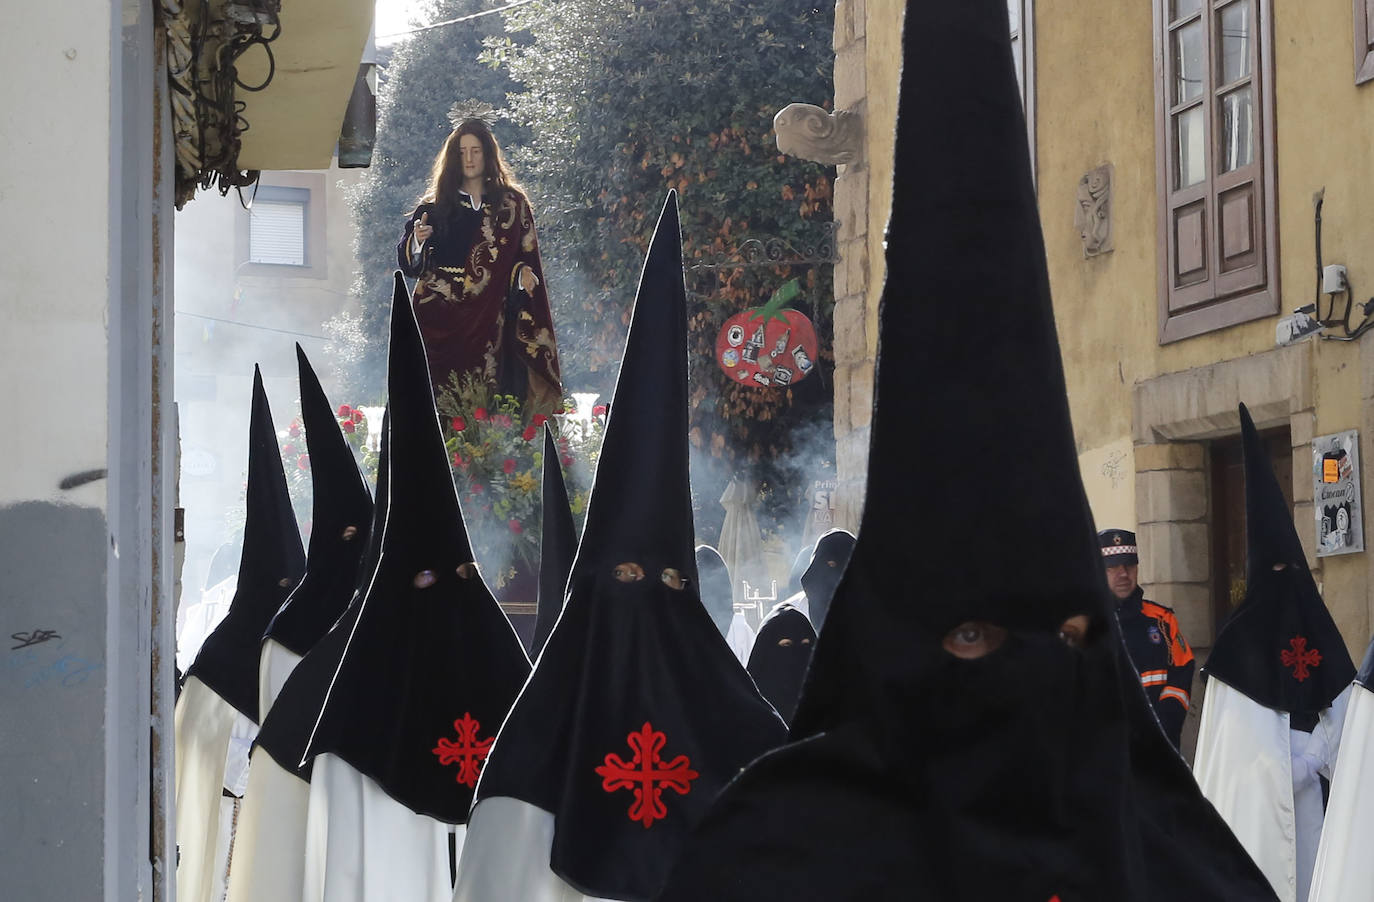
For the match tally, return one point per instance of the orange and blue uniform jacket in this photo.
(1161, 656)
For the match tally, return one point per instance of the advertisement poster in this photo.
(1336, 493)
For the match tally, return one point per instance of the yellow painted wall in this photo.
(1109, 481)
(1096, 103)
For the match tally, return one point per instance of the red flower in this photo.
(567, 461)
(508, 466)
(529, 433)
(501, 420)
(477, 488)
(288, 449)
(480, 414)
(540, 419)
(294, 430)
(345, 411)
(458, 461)
(458, 424)
(348, 426)
(599, 410)
(303, 461)
(358, 415)
(515, 527)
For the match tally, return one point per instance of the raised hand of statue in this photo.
(528, 280)
(423, 229)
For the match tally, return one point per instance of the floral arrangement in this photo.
(498, 457)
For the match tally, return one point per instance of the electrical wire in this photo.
(467, 18)
(243, 325)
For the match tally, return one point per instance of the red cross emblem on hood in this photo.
(1299, 657)
(646, 775)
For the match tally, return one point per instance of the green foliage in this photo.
(426, 75)
(625, 99)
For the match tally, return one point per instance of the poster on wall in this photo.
(1336, 492)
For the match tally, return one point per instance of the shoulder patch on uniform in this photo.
(1155, 609)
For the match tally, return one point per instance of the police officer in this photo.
(1158, 650)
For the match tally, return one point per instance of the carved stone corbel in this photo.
(1093, 211)
(810, 133)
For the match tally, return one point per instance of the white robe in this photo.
(361, 845)
(275, 664)
(506, 856)
(740, 637)
(204, 728)
(1344, 869)
(269, 852)
(1262, 777)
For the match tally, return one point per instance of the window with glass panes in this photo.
(1215, 147)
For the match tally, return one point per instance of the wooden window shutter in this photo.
(1214, 140)
(1364, 41)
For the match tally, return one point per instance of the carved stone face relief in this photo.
(1093, 213)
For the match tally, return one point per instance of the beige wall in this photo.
(1094, 67)
(1095, 96)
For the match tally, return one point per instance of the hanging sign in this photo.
(772, 345)
(1336, 493)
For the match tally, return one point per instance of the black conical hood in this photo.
(421, 476)
(285, 733)
(828, 560)
(341, 512)
(975, 359)
(958, 736)
(273, 561)
(1270, 537)
(1279, 646)
(635, 660)
(557, 546)
(644, 448)
(431, 665)
(782, 650)
(717, 592)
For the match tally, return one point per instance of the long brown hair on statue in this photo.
(446, 175)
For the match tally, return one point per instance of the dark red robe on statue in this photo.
(475, 318)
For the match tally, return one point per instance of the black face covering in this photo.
(823, 574)
(782, 650)
(1033, 810)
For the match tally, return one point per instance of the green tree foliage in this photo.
(625, 99)
(427, 73)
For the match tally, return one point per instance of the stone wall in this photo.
(867, 50)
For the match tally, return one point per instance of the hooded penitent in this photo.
(965, 731)
(341, 511)
(557, 547)
(1272, 714)
(269, 852)
(637, 713)
(714, 585)
(822, 574)
(429, 669)
(778, 660)
(1344, 869)
(218, 706)
(713, 582)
